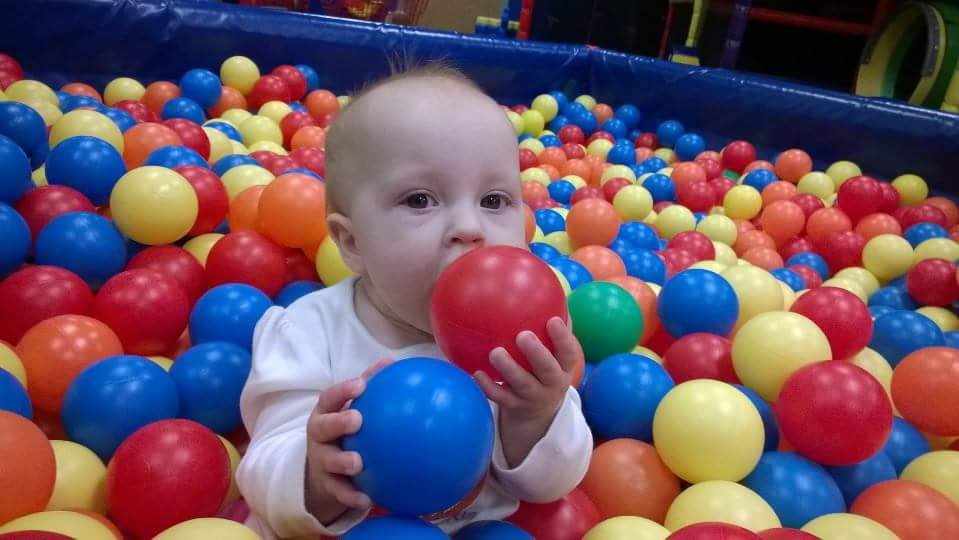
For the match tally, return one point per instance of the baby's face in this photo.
(443, 181)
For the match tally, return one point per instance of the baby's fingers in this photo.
(336, 461)
(567, 349)
(343, 491)
(338, 395)
(328, 427)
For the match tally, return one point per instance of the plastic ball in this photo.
(292, 210)
(888, 256)
(718, 228)
(260, 128)
(174, 156)
(756, 289)
(246, 257)
(154, 205)
(142, 139)
(900, 333)
(37, 293)
(228, 313)
(209, 378)
(627, 528)
(737, 154)
(674, 220)
(911, 188)
(13, 394)
(892, 297)
(122, 89)
(84, 243)
(919, 233)
(241, 177)
(645, 265)
(742, 202)
(295, 290)
(81, 479)
(797, 489)
(856, 478)
(606, 319)
(23, 125)
(329, 263)
(689, 146)
(16, 235)
(723, 502)
(183, 107)
(60, 524)
(28, 467)
(239, 72)
(932, 282)
(844, 319)
(841, 171)
(875, 224)
(668, 132)
(848, 527)
(937, 248)
(791, 165)
(592, 222)
(568, 518)
(202, 86)
(922, 384)
(627, 478)
(14, 172)
(759, 179)
(909, 509)
(208, 528)
(937, 470)
(661, 187)
(639, 235)
(490, 530)
(698, 301)
(624, 382)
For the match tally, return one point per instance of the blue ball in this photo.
(300, 170)
(812, 260)
(87, 164)
(661, 187)
(114, 397)
(796, 488)
(84, 243)
(122, 119)
(620, 246)
(202, 86)
(549, 221)
(952, 339)
(688, 146)
(669, 132)
(663, 244)
(22, 125)
(14, 172)
(622, 394)
(447, 429)
(70, 103)
(13, 396)
(699, 216)
(622, 153)
(900, 333)
(697, 300)
(560, 98)
(905, 443)
(39, 156)
(16, 236)
(231, 132)
(654, 163)
(638, 170)
(296, 106)
(227, 162)
(558, 123)
(921, 232)
(209, 378)
(575, 273)
(492, 530)
(639, 234)
(550, 141)
(877, 311)
(854, 479)
(760, 178)
(175, 156)
(311, 76)
(893, 297)
(228, 313)
(583, 118)
(644, 264)
(770, 424)
(546, 252)
(789, 277)
(183, 107)
(523, 136)
(634, 134)
(295, 290)
(395, 528)
(561, 191)
(615, 127)
(629, 114)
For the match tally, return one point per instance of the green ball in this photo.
(606, 320)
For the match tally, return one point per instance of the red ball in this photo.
(10, 65)
(292, 123)
(708, 154)
(647, 140)
(191, 134)
(147, 310)
(586, 192)
(324, 120)
(810, 277)
(601, 135)
(660, 341)
(166, 473)
(924, 213)
(677, 260)
(176, 263)
(712, 167)
(138, 110)
(697, 196)
(293, 78)
(269, 88)
(569, 518)
(527, 159)
(696, 243)
(519, 109)
(7, 78)
(713, 531)
(34, 535)
(841, 315)
(299, 267)
(612, 187)
(786, 534)
(539, 203)
(795, 245)
(842, 249)
(834, 412)
(282, 164)
(265, 157)
(212, 199)
(37, 293)
(932, 282)
(737, 155)
(311, 158)
(574, 150)
(890, 198)
(571, 133)
(484, 299)
(247, 257)
(39, 206)
(720, 185)
(808, 202)
(658, 207)
(859, 196)
(700, 356)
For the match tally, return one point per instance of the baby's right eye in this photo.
(419, 201)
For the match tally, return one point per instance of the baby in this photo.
(422, 168)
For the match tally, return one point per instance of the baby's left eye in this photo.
(494, 201)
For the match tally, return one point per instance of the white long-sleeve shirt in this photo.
(318, 341)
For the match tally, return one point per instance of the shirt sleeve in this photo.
(281, 392)
(556, 464)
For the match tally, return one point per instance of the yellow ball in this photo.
(888, 256)
(238, 148)
(848, 527)
(599, 148)
(49, 112)
(944, 319)
(742, 202)
(772, 346)
(234, 493)
(723, 502)
(208, 529)
(655, 287)
(545, 105)
(275, 110)
(239, 72)
(938, 248)
(10, 362)
(560, 241)
(789, 295)
(877, 366)
(200, 246)
(122, 88)
(756, 289)
(260, 128)
(516, 120)
(535, 174)
(219, 144)
(665, 154)
(617, 171)
(235, 117)
(39, 176)
(27, 89)
(651, 218)
(643, 351)
(81, 479)
(533, 145)
(72, 524)
(674, 220)
(561, 211)
(708, 430)
(86, 122)
(153, 205)
(666, 171)
(577, 181)
(817, 183)
(343, 101)
(563, 282)
(586, 100)
(3, 96)
(912, 189)
(841, 171)
(848, 285)
(241, 177)
(725, 254)
(538, 234)
(627, 528)
(633, 203)
(863, 277)
(718, 228)
(269, 146)
(161, 361)
(938, 470)
(533, 122)
(717, 211)
(713, 266)
(329, 263)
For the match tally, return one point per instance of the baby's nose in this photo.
(466, 231)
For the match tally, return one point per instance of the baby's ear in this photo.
(341, 231)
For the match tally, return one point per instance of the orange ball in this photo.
(826, 221)
(56, 350)
(310, 251)
(595, 169)
(321, 103)
(783, 219)
(552, 156)
(948, 208)
(778, 191)
(764, 258)
(592, 222)
(533, 191)
(292, 210)
(551, 172)
(245, 210)
(577, 167)
(911, 510)
(158, 93)
(602, 262)
(81, 89)
(753, 239)
(530, 225)
(688, 172)
(758, 164)
(646, 299)
(626, 477)
(925, 389)
(28, 469)
(875, 224)
(643, 153)
(308, 137)
(602, 112)
(230, 98)
(743, 226)
(792, 165)
(141, 139)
